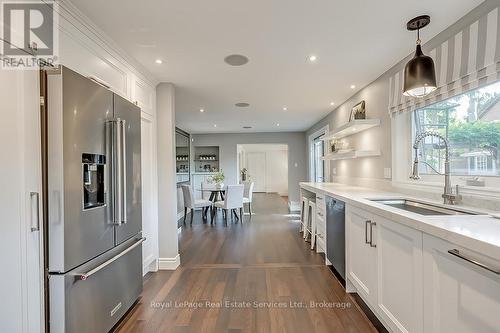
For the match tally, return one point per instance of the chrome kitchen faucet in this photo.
(449, 197)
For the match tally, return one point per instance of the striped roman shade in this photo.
(465, 61)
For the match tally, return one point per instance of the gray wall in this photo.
(297, 162)
(370, 171)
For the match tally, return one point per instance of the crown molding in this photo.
(71, 14)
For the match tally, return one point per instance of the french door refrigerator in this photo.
(94, 203)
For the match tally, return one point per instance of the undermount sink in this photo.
(422, 208)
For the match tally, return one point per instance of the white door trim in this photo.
(310, 143)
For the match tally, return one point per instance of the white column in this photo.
(167, 191)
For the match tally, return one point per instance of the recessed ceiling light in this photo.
(353, 86)
(285, 108)
(215, 125)
(242, 105)
(313, 58)
(202, 110)
(159, 61)
(332, 103)
(236, 60)
(247, 127)
(278, 124)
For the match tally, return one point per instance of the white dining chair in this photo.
(248, 195)
(191, 203)
(233, 200)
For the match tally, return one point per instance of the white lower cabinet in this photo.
(399, 275)
(360, 256)
(384, 264)
(459, 296)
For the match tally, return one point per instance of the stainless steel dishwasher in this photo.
(335, 235)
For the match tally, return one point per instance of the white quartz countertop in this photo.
(479, 233)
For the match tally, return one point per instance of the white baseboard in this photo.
(294, 206)
(149, 265)
(169, 263)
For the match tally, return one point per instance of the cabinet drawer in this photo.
(97, 303)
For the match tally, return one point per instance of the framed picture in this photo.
(358, 111)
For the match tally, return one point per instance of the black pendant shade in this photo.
(420, 73)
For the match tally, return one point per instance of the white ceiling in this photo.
(355, 41)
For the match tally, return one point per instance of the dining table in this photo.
(216, 194)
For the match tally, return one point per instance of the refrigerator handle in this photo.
(85, 276)
(123, 124)
(116, 160)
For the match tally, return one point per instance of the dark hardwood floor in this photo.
(255, 276)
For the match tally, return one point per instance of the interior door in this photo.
(127, 111)
(256, 165)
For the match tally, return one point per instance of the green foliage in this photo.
(217, 178)
(475, 134)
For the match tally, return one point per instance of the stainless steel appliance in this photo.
(335, 235)
(94, 203)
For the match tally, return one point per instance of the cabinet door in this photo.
(459, 296)
(361, 257)
(21, 281)
(399, 275)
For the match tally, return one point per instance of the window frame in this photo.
(402, 159)
(310, 144)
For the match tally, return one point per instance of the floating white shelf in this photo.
(352, 127)
(351, 154)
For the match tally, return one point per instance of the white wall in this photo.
(297, 162)
(276, 161)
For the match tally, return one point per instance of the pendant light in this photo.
(420, 74)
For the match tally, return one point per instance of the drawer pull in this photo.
(457, 253)
(85, 276)
(367, 222)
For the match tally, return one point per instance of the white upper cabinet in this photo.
(399, 278)
(361, 256)
(459, 296)
(143, 95)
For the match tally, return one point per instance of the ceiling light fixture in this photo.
(242, 105)
(202, 110)
(215, 125)
(313, 58)
(247, 127)
(353, 86)
(332, 103)
(159, 61)
(278, 124)
(285, 108)
(420, 74)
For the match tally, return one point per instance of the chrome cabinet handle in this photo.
(366, 231)
(371, 234)
(456, 253)
(124, 171)
(35, 212)
(85, 276)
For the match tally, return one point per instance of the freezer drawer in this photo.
(93, 297)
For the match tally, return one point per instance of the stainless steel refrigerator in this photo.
(94, 203)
